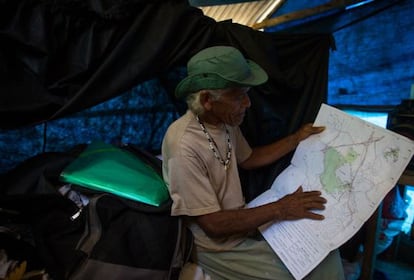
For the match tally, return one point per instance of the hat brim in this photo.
(194, 83)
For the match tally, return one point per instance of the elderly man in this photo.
(202, 151)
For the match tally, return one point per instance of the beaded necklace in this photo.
(213, 145)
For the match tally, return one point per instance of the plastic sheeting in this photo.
(106, 168)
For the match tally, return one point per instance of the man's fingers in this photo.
(299, 189)
(314, 216)
(315, 205)
(317, 129)
(311, 196)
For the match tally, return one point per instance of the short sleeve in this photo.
(190, 188)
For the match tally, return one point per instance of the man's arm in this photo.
(294, 206)
(268, 154)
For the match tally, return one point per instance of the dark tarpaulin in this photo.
(64, 56)
(61, 57)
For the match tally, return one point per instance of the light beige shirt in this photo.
(197, 181)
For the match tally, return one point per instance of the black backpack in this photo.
(109, 238)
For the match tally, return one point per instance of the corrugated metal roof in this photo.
(258, 14)
(246, 13)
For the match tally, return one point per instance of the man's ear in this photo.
(205, 100)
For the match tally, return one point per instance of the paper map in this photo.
(354, 164)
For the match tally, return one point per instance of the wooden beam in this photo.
(332, 6)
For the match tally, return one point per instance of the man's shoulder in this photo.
(183, 131)
(179, 124)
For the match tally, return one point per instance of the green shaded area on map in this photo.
(333, 160)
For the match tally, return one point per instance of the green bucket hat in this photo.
(217, 68)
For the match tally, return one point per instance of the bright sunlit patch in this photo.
(377, 118)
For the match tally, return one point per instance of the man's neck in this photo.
(210, 119)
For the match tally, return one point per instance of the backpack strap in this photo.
(183, 248)
(93, 229)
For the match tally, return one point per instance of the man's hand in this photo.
(299, 205)
(294, 206)
(306, 130)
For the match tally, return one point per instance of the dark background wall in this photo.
(138, 117)
(374, 61)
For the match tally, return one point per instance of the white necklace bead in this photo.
(213, 145)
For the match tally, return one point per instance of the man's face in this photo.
(231, 106)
